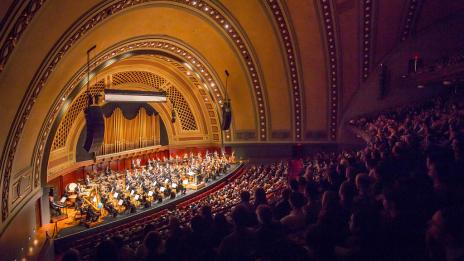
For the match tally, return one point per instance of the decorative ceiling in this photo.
(295, 65)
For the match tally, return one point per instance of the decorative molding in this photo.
(280, 134)
(285, 32)
(409, 20)
(69, 39)
(245, 135)
(17, 30)
(332, 62)
(316, 135)
(367, 11)
(207, 98)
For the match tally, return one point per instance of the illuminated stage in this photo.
(70, 228)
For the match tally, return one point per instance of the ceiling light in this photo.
(134, 96)
(188, 66)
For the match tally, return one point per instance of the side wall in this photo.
(19, 236)
(442, 39)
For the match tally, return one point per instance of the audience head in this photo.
(439, 164)
(152, 241)
(197, 224)
(71, 255)
(264, 214)
(240, 216)
(347, 192)
(329, 200)
(220, 220)
(173, 222)
(205, 212)
(297, 200)
(286, 194)
(260, 196)
(245, 196)
(106, 250)
(311, 191)
(350, 173)
(363, 182)
(447, 227)
(362, 223)
(294, 185)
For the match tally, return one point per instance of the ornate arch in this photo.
(286, 34)
(325, 8)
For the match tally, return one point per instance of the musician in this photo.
(167, 192)
(79, 202)
(108, 171)
(108, 206)
(91, 216)
(145, 203)
(207, 166)
(87, 179)
(130, 207)
(181, 188)
(54, 207)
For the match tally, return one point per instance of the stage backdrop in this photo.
(128, 126)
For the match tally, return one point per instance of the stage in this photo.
(70, 228)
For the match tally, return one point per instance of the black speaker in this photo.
(95, 128)
(226, 115)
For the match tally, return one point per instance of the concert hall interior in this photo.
(232, 130)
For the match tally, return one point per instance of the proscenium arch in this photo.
(82, 83)
(140, 69)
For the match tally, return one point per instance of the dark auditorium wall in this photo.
(15, 241)
(433, 42)
(283, 150)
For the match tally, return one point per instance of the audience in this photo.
(370, 204)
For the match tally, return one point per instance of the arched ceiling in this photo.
(294, 64)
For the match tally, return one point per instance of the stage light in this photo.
(134, 96)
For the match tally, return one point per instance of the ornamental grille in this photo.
(73, 111)
(182, 109)
(147, 78)
(185, 115)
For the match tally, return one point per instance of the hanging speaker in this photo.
(95, 128)
(226, 115)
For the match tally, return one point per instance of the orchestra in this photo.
(112, 193)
